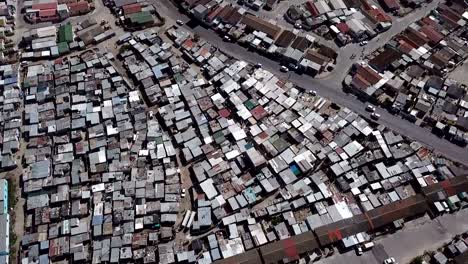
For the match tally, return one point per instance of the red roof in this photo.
(379, 15)
(409, 41)
(312, 9)
(366, 5)
(451, 13)
(368, 74)
(449, 16)
(258, 112)
(47, 12)
(78, 6)
(429, 21)
(405, 47)
(44, 6)
(188, 44)
(132, 8)
(433, 35)
(224, 113)
(429, 179)
(343, 27)
(416, 37)
(359, 82)
(211, 16)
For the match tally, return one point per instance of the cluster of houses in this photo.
(135, 15)
(10, 122)
(38, 11)
(268, 160)
(96, 185)
(409, 75)
(341, 20)
(7, 29)
(10, 125)
(54, 41)
(454, 252)
(256, 5)
(294, 50)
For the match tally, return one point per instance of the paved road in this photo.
(399, 24)
(331, 87)
(379, 253)
(416, 237)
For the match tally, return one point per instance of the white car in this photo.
(284, 69)
(375, 116)
(179, 22)
(363, 43)
(389, 261)
(313, 93)
(368, 245)
(183, 193)
(370, 108)
(151, 114)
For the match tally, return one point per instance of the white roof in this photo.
(209, 189)
(353, 148)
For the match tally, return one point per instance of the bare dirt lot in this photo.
(460, 73)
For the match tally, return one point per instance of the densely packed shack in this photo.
(268, 161)
(411, 74)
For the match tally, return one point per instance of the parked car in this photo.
(375, 116)
(293, 66)
(390, 261)
(179, 22)
(183, 193)
(370, 108)
(358, 250)
(368, 245)
(284, 69)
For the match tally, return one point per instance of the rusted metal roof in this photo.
(448, 187)
(259, 24)
(285, 39)
(289, 249)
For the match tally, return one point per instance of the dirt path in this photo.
(19, 218)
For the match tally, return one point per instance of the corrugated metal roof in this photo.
(248, 257)
(285, 39)
(450, 187)
(81, 6)
(402, 209)
(261, 25)
(141, 17)
(47, 12)
(132, 8)
(289, 248)
(65, 33)
(344, 228)
(42, 6)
